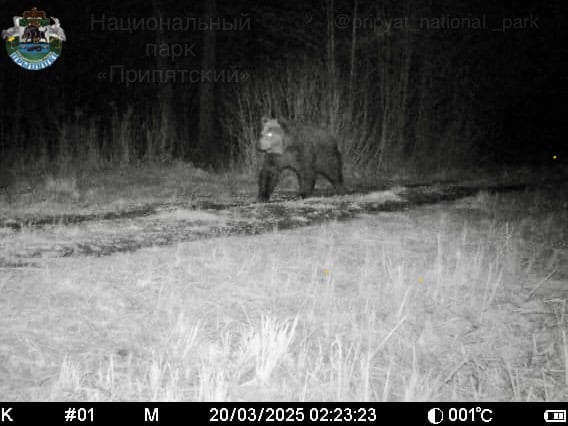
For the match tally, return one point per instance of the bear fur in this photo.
(307, 150)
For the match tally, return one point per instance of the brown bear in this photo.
(307, 150)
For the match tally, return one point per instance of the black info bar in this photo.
(179, 413)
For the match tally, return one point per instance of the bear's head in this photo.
(272, 136)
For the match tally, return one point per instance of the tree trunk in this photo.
(207, 141)
(165, 135)
(352, 63)
(333, 100)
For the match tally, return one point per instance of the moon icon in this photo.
(435, 416)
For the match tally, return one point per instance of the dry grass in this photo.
(73, 191)
(458, 302)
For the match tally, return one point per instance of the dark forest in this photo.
(404, 83)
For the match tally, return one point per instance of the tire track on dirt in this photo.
(23, 243)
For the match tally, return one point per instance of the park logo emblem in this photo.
(33, 42)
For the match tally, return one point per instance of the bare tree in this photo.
(207, 140)
(352, 58)
(166, 134)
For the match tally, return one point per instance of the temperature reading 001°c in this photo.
(476, 414)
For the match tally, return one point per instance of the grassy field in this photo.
(76, 191)
(460, 301)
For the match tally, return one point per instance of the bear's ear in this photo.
(265, 119)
